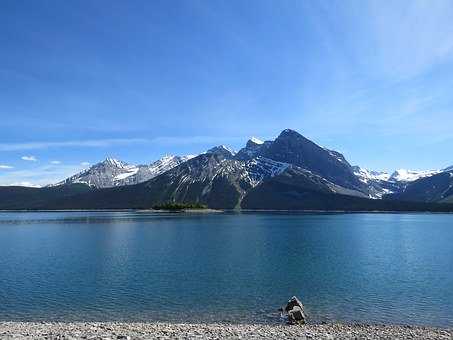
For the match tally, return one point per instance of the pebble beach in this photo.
(120, 330)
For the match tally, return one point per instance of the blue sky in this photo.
(82, 80)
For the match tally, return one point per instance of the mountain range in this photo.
(112, 172)
(290, 172)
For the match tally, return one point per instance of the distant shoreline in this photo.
(233, 211)
(161, 330)
(183, 211)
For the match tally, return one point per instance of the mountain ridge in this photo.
(288, 172)
(113, 172)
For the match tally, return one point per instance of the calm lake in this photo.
(237, 267)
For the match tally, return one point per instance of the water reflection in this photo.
(235, 267)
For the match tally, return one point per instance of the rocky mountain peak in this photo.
(222, 150)
(252, 149)
(288, 133)
(114, 163)
(293, 148)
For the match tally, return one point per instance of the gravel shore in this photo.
(120, 330)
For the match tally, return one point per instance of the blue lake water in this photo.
(226, 267)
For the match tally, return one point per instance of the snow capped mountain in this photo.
(366, 175)
(403, 175)
(146, 172)
(382, 183)
(103, 174)
(290, 172)
(222, 174)
(293, 148)
(221, 181)
(435, 188)
(377, 182)
(112, 172)
(166, 163)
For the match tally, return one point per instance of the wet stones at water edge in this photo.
(294, 310)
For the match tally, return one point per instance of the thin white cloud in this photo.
(164, 140)
(195, 140)
(39, 176)
(404, 38)
(24, 184)
(72, 143)
(55, 162)
(85, 163)
(29, 158)
(5, 167)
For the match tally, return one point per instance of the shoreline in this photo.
(180, 211)
(209, 210)
(162, 330)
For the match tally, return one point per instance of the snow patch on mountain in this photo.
(125, 175)
(366, 175)
(403, 175)
(207, 170)
(337, 155)
(162, 165)
(256, 140)
(260, 168)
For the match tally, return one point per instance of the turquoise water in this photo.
(237, 267)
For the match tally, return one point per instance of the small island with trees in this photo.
(178, 206)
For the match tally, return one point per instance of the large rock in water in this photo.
(295, 311)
